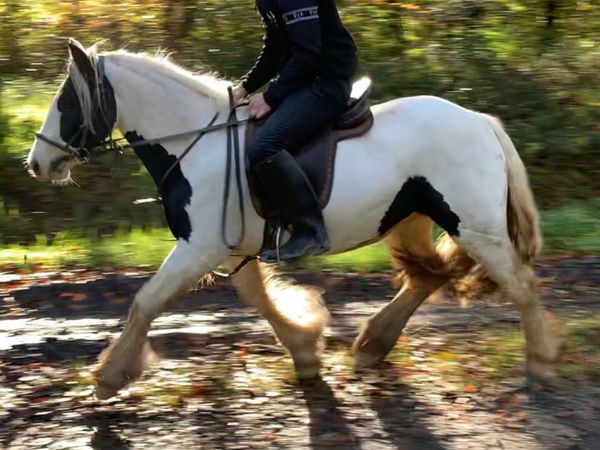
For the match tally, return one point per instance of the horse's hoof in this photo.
(109, 381)
(307, 371)
(366, 360)
(307, 365)
(542, 375)
(105, 391)
(368, 351)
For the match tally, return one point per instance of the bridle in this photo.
(110, 145)
(107, 145)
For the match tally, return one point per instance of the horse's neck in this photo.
(152, 104)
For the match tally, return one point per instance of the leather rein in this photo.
(110, 145)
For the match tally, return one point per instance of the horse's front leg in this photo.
(124, 360)
(295, 312)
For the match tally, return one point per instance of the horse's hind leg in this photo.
(296, 313)
(124, 360)
(498, 256)
(422, 273)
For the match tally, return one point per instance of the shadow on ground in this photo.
(223, 382)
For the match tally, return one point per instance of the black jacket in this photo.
(304, 39)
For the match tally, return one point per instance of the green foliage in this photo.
(533, 63)
(570, 228)
(135, 248)
(573, 227)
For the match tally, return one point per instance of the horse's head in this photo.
(80, 120)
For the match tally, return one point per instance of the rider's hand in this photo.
(239, 93)
(258, 106)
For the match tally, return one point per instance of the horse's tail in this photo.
(522, 214)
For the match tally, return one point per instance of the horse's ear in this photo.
(81, 59)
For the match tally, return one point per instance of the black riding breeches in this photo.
(299, 118)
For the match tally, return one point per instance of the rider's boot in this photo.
(289, 193)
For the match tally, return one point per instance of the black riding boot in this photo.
(288, 192)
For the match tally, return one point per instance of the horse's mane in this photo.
(206, 84)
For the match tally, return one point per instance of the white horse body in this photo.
(464, 155)
(418, 136)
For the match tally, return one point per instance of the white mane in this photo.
(206, 84)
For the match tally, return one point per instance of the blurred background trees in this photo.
(534, 63)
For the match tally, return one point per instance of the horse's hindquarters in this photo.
(425, 155)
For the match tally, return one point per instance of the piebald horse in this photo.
(425, 161)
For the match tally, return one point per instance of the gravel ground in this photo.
(223, 382)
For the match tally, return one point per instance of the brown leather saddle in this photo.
(317, 156)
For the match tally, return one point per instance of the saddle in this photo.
(317, 156)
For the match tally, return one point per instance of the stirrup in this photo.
(279, 228)
(278, 242)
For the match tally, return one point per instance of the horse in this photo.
(425, 161)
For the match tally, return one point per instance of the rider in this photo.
(315, 57)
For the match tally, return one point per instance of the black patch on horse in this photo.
(176, 190)
(419, 196)
(71, 117)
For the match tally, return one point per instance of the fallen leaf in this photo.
(74, 296)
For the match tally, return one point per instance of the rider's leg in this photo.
(291, 193)
(287, 190)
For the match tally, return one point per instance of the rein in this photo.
(233, 149)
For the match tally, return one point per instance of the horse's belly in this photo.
(365, 183)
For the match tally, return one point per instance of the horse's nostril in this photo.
(36, 168)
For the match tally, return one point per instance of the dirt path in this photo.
(222, 381)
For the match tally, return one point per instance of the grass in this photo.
(572, 229)
(138, 248)
(371, 258)
(149, 248)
